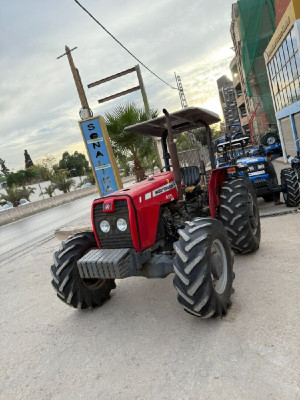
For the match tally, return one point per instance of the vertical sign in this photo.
(101, 156)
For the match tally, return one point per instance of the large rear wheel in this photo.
(290, 187)
(69, 286)
(203, 268)
(239, 215)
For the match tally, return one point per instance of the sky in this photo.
(38, 100)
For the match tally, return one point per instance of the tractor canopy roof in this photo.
(181, 121)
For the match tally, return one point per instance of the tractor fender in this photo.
(217, 177)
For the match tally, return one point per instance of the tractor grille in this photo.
(260, 166)
(114, 239)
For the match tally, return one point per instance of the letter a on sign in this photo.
(102, 159)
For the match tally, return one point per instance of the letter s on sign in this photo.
(91, 127)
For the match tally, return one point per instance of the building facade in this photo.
(282, 58)
(228, 103)
(252, 26)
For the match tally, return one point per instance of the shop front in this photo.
(282, 57)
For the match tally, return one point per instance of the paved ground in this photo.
(141, 345)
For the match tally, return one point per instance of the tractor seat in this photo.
(190, 176)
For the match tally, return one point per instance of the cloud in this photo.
(39, 103)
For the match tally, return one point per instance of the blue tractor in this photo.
(261, 172)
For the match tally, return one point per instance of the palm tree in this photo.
(12, 195)
(26, 192)
(60, 182)
(49, 190)
(139, 147)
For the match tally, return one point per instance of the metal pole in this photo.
(147, 109)
(77, 80)
(209, 145)
(174, 156)
(143, 91)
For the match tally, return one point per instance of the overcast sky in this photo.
(38, 99)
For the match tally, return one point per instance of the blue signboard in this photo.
(101, 156)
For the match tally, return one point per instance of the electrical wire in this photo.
(153, 73)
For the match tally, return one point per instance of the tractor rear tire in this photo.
(290, 186)
(269, 138)
(296, 168)
(69, 286)
(240, 215)
(203, 268)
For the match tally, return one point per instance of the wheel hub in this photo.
(219, 266)
(271, 140)
(253, 214)
(93, 284)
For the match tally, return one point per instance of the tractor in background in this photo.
(261, 172)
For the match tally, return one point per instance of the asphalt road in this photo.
(142, 345)
(20, 235)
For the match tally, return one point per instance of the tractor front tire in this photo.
(296, 168)
(69, 286)
(203, 268)
(290, 187)
(239, 215)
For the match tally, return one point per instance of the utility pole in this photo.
(143, 91)
(85, 112)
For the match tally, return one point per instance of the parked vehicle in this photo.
(23, 202)
(262, 174)
(85, 185)
(167, 223)
(271, 136)
(6, 206)
(295, 164)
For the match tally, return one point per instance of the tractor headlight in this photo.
(121, 224)
(220, 149)
(260, 166)
(251, 168)
(104, 226)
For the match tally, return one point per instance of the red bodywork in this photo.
(217, 177)
(143, 200)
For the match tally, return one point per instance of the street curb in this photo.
(63, 233)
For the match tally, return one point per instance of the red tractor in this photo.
(167, 223)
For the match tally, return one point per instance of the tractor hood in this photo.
(157, 188)
(139, 205)
(250, 160)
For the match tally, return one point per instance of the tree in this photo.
(89, 179)
(200, 134)
(76, 163)
(26, 192)
(14, 194)
(4, 169)
(39, 173)
(182, 142)
(61, 182)
(28, 160)
(140, 147)
(20, 178)
(49, 190)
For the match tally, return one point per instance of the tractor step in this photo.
(106, 264)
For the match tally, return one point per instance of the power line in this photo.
(153, 73)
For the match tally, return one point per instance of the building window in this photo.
(284, 71)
